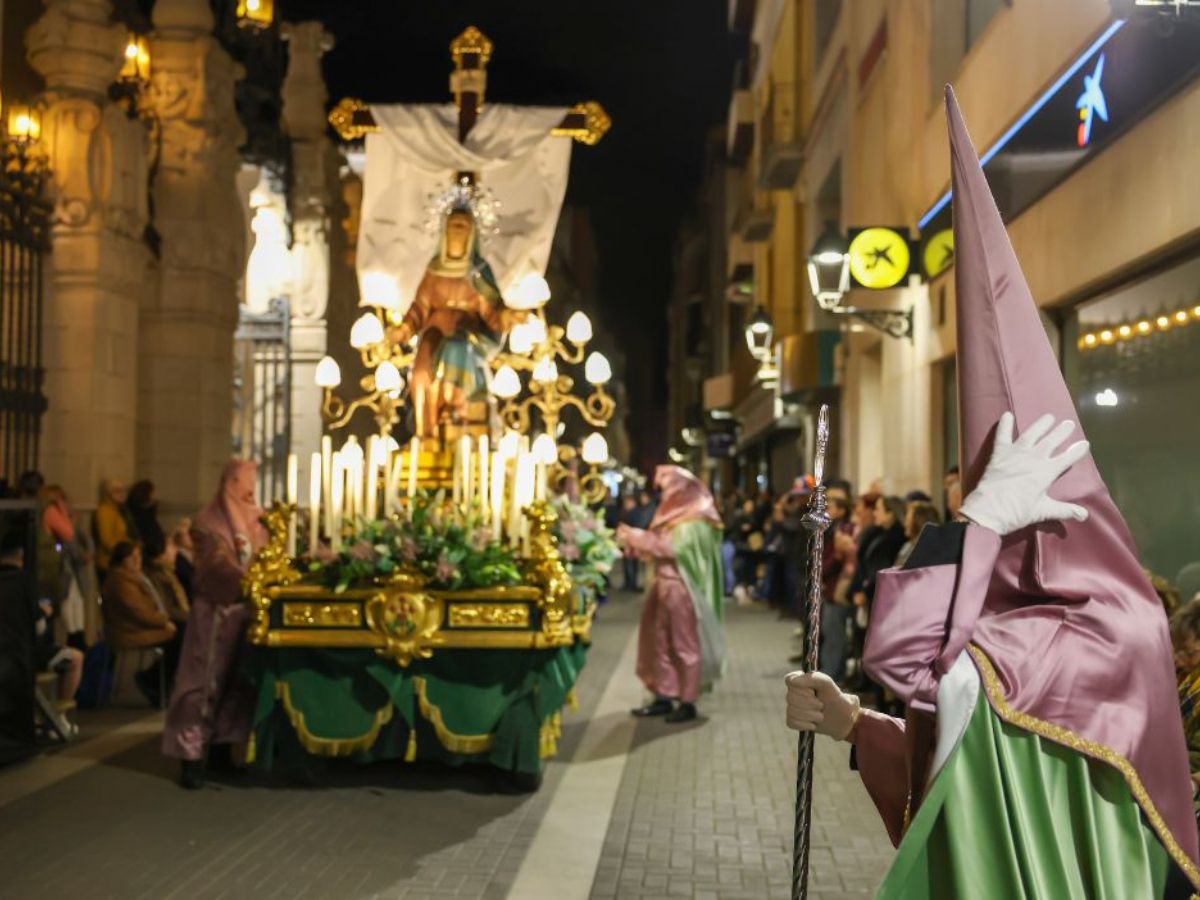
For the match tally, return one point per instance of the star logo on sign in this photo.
(880, 255)
(1091, 103)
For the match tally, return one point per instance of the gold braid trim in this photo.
(1071, 740)
(319, 746)
(455, 743)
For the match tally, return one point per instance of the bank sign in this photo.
(1127, 71)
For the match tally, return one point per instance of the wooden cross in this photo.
(585, 122)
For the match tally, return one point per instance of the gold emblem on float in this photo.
(879, 258)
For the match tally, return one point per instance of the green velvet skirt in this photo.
(1012, 815)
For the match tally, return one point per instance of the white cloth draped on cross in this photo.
(416, 153)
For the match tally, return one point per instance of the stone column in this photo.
(315, 181)
(185, 358)
(98, 266)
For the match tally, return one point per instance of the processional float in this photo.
(435, 600)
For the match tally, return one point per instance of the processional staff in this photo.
(815, 521)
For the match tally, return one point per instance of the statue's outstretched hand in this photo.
(815, 703)
(1012, 493)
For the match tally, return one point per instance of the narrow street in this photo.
(628, 808)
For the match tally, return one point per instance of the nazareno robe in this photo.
(981, 799)
(681, 648)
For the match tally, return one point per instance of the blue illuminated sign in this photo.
(1119, 79)
(1091, 103)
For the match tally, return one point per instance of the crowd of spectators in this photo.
(79, 589)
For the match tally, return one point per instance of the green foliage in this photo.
(453, 550)
(586, 545)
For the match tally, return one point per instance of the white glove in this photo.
(814, 703)
(1012, 492)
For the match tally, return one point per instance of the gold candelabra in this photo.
(537, 349)
(382, 387)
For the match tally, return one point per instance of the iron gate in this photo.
(24, 242)
(262, 396)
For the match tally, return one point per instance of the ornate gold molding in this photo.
(488, 615)
(272, 567)
(352, 119)
(322, 615)
(407, 621)
(596, 122)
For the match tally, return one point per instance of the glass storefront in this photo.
(1132, 360)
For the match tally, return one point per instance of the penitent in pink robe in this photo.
(668, 662)
(210, 703)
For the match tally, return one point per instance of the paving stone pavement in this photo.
(708, 811)
(701, 811)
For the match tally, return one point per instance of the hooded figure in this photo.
(1042, 754)
(681, 648)
(209, 704)
(460, 317)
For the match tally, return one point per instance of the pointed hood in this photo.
(1075, 632)
(684, 498)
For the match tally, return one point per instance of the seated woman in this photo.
(160, 561)
(135, 618)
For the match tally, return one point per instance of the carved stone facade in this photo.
(185, 348)
(97, 273)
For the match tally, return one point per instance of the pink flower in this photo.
(362, 551)
(324, 554)
(446, 570)
(568, 529)
(570, 552)
(408, 550)
(480, 538)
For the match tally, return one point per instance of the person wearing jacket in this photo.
(135, 619)
(111, 524)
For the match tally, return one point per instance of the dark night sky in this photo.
(662, 69)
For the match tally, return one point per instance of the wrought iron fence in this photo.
(24, 242)
(262, 395)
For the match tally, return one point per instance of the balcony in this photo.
(740, 140)
(782, 157)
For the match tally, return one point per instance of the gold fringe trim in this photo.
(410, 754)
(319, 746)
(572, 700)
(549, 734)
(1071, 740)
(455, 743)
(251, 749)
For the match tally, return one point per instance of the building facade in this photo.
(1086, 143)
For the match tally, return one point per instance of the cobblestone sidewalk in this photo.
(707, 811)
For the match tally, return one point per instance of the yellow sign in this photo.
(879, 258)
(938, 254)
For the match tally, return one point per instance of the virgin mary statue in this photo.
(459, 319)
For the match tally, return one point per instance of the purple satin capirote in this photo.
(1063, 610)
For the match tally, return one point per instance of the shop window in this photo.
(1135, 382)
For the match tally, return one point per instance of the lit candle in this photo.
(371, 480)
(336, 498)
(484, 459)
(468, 473)
(391, 482)
(523, 495)
(498, 467)
(327, 481)
(293, 489)
(414, 455)
(315, 484)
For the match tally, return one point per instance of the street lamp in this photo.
(829, 267)
(760, 332)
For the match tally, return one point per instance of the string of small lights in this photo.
(1142, 328)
